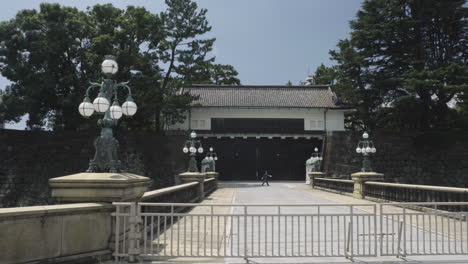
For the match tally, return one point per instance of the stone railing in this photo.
(71, 232)
(210, 185)
(62, 233)
(415, 193)
(341, 186)
(183, 193)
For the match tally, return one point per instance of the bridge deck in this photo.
(281, 193)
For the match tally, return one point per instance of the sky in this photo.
(267, 41)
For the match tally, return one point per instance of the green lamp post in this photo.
(366, 147)
(106, 158)
(315, 161)
(193, 145)
(210, 160)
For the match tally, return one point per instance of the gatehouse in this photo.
(263, 127)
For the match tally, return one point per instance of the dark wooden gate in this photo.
(247, 159)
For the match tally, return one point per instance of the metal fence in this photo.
(431, 232)
(155, 230)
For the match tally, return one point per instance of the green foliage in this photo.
(404, 63)
(50, 55)
(325, 75)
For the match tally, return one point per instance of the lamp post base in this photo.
(105, 159)
(193, 164)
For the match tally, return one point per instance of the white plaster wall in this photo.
(335, 120)
(313, 118)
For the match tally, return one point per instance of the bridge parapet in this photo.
(383, 191)
(337, 185)
(78, 232)
(61, 232)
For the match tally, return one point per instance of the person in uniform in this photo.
(265, 178)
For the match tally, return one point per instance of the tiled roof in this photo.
(281, 96)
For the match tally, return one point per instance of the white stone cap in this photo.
(99, 178)
(28, 211)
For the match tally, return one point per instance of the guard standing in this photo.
(265, 178)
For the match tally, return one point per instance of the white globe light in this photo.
(101, 104)
(373, 150)
(200, 150)
(115, 112)
(210, 158)
(368, 149)
(358, 150)
(86, 109)
(365, 135)
(211, 149)
(193, 150)
(109, 66)
(316, 149)
(193, 134)
(215, 158)
(185, 150)
(129, 108)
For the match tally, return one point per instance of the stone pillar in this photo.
(360, 178)
(98, 187)
(108, 188)
(315, 174)
(199, 177)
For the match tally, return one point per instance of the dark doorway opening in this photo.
(247, 159)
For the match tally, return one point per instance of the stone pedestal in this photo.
(359, 180)
(315, 174)
(98, 187)
(199, 177)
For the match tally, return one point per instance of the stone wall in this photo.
(64, 233)
(79, 232)
(416, 158)
(29, 158)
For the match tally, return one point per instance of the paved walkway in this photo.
(285, 193)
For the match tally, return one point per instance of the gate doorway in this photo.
(247, 159)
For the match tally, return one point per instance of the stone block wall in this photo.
(29, 158)
(431, 158)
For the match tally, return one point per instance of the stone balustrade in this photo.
(415, 193)
(60, 232)
(337, 185)
(81, 232)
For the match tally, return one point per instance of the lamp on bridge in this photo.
(212, 158)
(105, 158)
(366, 147)
(313, 165)
(103, 181)
(193, 145)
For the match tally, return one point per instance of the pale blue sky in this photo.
(267, 41)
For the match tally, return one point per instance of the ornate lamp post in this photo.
(193, 145)
(318, 159)
(366, 147)
(105, 158)
(313, 163)
(211, 155)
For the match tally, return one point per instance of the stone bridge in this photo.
(83, 230)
